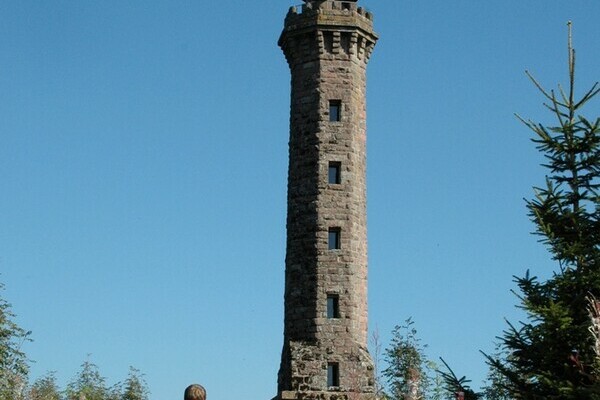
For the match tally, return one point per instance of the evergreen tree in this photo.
(495, 384)
(458, 387)
(551, 354)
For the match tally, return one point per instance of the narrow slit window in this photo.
(333, 306)
(345, 42)
(334, 172)
(333, 375)
(335, 110)
(328, 41)
(334, 238)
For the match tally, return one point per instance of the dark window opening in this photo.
(328, 41)
(333, 306)
(345, 42)
(333, 375)
(334, 238)
(335, 110)
(334, 176)
(345, 6)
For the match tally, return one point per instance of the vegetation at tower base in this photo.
(552, 354)
(135, 387)
(88, 385)
(406, 373)
(409, 374)
(45, 388)
(459, 387)
(92, 386)
(13, 362)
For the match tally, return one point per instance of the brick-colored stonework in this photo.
(327, 44)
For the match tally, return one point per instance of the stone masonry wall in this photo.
(327, 47)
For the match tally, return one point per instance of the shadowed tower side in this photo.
(327, 45)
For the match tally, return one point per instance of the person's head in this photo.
(194, 392)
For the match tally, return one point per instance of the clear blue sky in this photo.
(143, 158)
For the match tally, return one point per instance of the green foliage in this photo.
(495, 384)
(13, 362)
(436, 389)
(410, 375)
(90, 385)
(44, 388)
(458, 386)
(135, 387)
(406, 376)
(551, 354)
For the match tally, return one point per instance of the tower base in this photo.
(305, 367)
(323, 395)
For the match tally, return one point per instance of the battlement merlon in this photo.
(328, 15)
(320, 1)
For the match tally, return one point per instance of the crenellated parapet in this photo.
(334, 27)
(346, 7)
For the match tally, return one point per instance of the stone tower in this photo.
(327, 44)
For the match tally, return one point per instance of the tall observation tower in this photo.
(327, 44)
